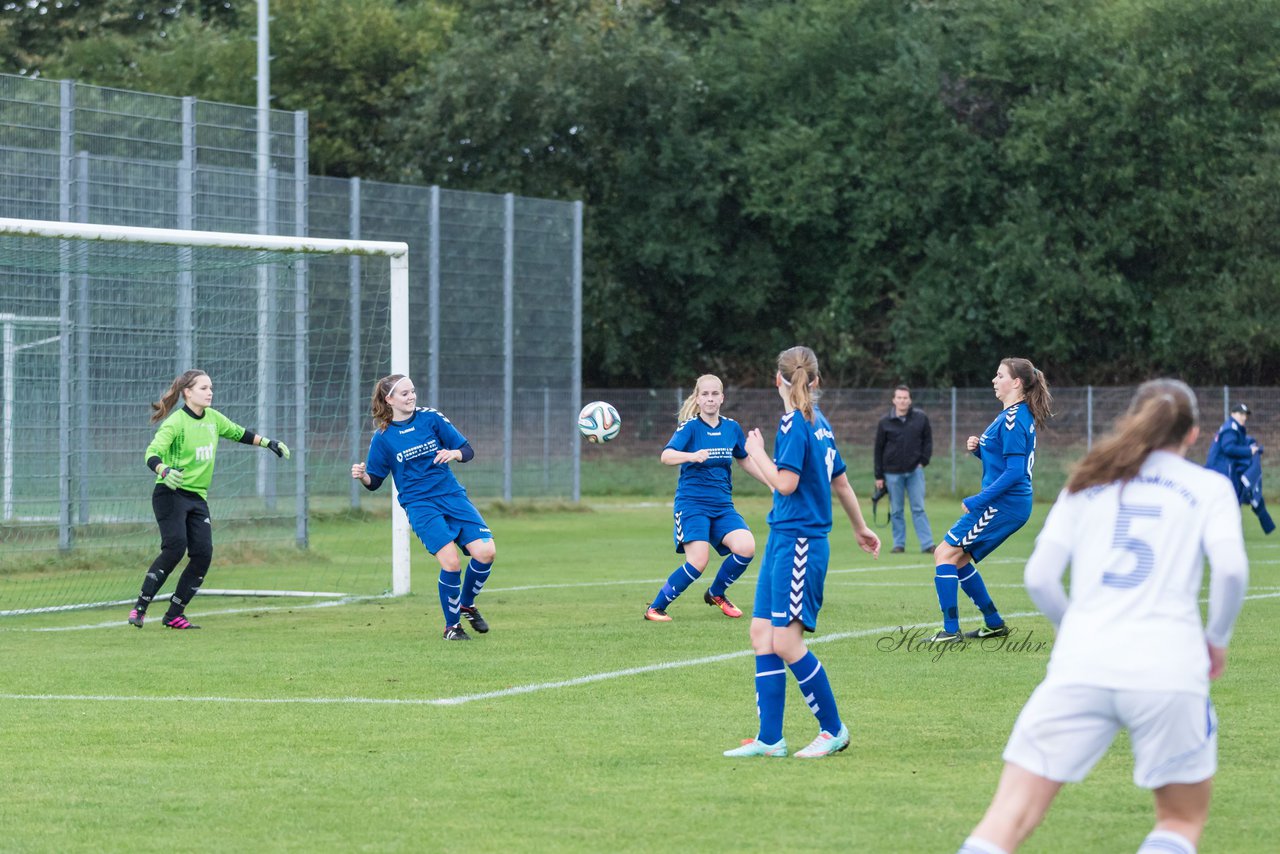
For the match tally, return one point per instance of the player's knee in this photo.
(483, 551)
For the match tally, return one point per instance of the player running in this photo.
(703, 446)
(1007, 449)
(415, 446)
(1134, 523)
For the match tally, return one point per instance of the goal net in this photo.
(96, 321)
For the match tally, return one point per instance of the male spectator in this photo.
(1238, 455)
(904, 444)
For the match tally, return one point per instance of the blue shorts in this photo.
(694, 525)
(980, 533)
(791, 579)
(447, 519)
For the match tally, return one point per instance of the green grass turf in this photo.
(630, 762)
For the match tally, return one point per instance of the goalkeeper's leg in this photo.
(199, 530)
(170, 516)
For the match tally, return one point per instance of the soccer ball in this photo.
(599, 422)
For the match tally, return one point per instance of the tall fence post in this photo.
(66, 187)
(508, 339)
(185, 321)
(1088, 416)
(301, 323)
(81, 374)
(575, 374)
(953, 440)
(433, 299)
(355, 357)
(1226, 403)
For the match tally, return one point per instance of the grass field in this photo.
(573, 725)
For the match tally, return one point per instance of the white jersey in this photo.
(1137, 562)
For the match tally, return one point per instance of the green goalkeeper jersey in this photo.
(190, 444)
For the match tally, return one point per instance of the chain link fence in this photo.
(495, 289)
(629, 464)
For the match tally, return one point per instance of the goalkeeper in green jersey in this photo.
(181, 455)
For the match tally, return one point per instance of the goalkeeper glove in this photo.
(280, 449)
(171, 477)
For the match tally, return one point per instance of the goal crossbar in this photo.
(396, 252)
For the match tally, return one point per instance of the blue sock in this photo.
(971, 583)
(771, 696)
(730, 571)
(676, 584)
(816, 690)
(450, 587)
(947, 583)
(477, 575)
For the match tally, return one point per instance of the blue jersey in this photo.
(710, 484)
(407, 449)
(1007, 449)
(809, 450)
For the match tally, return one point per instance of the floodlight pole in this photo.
(263, 423)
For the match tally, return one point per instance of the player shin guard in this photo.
(676, 584)
(450, 587)
(771, 696)
(973, 586)
(730, 571)
(946, 582)
(477, 575)
(1166, 842)
(816, 690)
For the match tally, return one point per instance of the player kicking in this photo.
(805, 468)
(415, 446)
(1134, 523)
(703, 446)
(1007, 449)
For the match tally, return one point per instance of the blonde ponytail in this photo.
(1161, 415)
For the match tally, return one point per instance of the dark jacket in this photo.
(903, 443)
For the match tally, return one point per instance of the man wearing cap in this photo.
(1235, 454)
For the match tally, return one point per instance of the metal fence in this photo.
(1081, 415)
(495, 280)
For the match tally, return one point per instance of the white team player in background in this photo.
(1134, 523)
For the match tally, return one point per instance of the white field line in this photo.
(465, 698)
(488, 695)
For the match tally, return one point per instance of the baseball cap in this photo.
(1240, 407)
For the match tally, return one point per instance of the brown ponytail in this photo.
(1160, 415)
(1035, 388)
(378, 406)
(169, 399)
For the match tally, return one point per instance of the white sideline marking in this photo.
(347, 600)
(488, 695)
(465, 698)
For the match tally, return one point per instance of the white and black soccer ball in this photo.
(599, 422)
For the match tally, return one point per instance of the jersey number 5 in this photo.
(1144, 556)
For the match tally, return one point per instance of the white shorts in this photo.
(1064, 730)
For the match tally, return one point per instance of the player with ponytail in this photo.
(181, 455)
(1007, 449)
(1135, 524)
(805, 469)
(415, 446)
(704, 444)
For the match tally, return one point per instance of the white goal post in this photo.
(398, 258)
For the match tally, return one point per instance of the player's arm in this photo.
(784, 481)
(752, 468)
(465, 454)
(171, 476)
(1015, 467)
(1228, 579)
(867, 539)
(1048, 563)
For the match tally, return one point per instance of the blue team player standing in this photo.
(806, 467)
(1007, 449)
(415, 446)
(703, 446)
